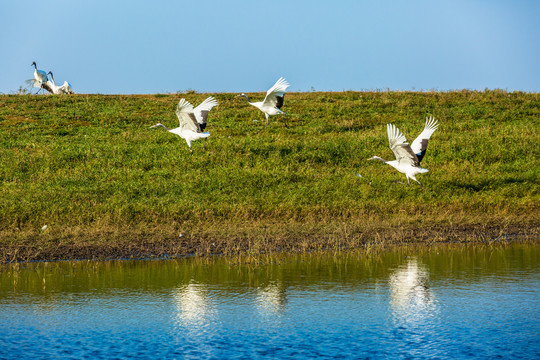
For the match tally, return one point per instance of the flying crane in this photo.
(192, 120)
(408, 157)
(273, 101)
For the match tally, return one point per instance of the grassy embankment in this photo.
(106, 185)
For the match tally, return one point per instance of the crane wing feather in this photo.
(66, 88)
(400, 147)
(274, 95)
(188, 121)
(33, 83)
(201, 111)
(420, 144)
(279, 101)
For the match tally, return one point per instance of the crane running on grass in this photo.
(192, 120)
(408, 157)
(40, 79)
(65, 88)
(272, 103)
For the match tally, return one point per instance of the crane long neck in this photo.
(380, 159)
(163, 126)
(244, 95)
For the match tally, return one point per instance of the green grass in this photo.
(89, 164)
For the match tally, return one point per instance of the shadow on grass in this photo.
(488, 185)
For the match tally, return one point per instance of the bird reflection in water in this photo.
(271, 299)
(411, 296)
(194, 309)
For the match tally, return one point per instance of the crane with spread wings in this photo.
(408, 157)
(65, 88)
(192, 120)
(273, 101)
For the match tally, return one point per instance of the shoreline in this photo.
(125, 245)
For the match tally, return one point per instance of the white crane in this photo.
(40, 79)
(192, 121)
(408, 158)
(272, 103)
(65, 88)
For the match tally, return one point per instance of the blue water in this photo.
(425, 304)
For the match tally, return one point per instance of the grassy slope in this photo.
(90, 168)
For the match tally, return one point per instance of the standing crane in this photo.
(192, 120)
(40, 79)
(408, 157)
(272, 103)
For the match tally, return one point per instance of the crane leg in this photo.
(204, 144)
(285, 120)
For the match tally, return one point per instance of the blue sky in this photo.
(144, 47)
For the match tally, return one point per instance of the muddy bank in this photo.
(125, 244)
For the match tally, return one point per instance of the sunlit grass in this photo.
(90, 162)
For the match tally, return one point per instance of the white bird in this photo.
(65, 88)
(40, 79)
(272, 103)
(408, 158)
(190, 128)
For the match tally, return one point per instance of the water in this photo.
(460, 302)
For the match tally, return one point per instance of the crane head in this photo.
(34, 64)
